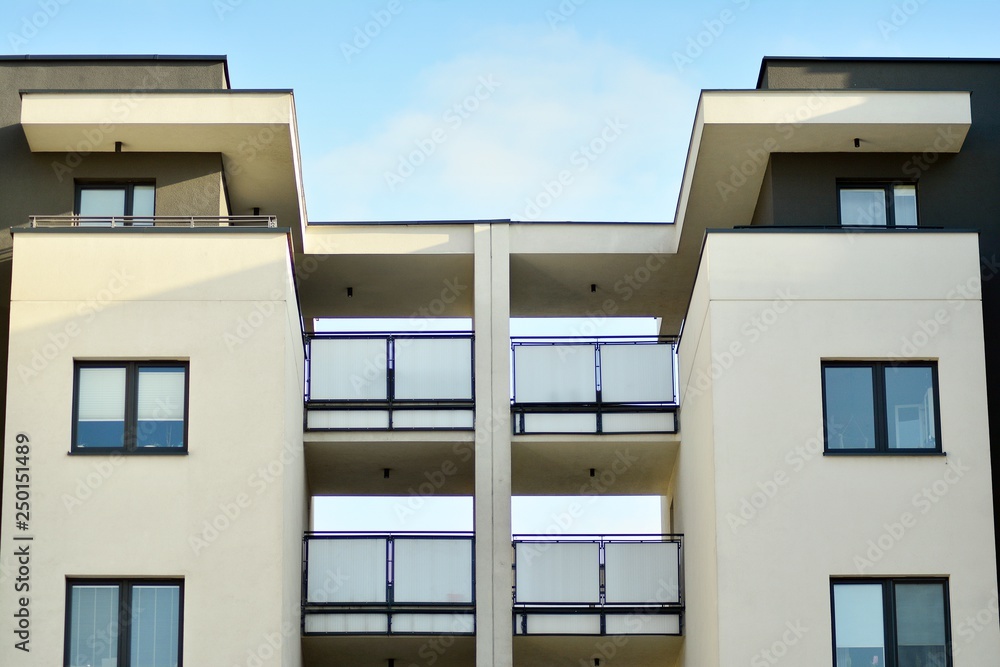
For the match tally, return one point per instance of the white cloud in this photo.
(485, 132)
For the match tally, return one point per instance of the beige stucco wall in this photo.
(786, 518)
(694, 489)
(228, 516)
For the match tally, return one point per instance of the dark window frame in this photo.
(879, 406)
(887, 187)
(128, 185)
(132, 369)
(889, 618)
(125, 586)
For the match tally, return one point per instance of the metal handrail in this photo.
(590, 340)
(188, 221)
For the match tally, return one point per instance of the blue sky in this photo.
(436, 109)
(377, 83)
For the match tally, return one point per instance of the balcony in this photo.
(587, 385)
(388, 584)
(166, 221)
(598, 585)
(389, 381)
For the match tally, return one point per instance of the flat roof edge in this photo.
(807, 229)
(766, 60)
(408, 223)
(119, 57)
(157, 91)
(22, 229)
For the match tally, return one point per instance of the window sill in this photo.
(152, 451)
(864, 452)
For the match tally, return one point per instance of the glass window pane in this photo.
(93, 626)
(862, 206)
(909, 393)
(850, 411)
(143, 197)
(905, 205)
(920, 624)
(155, 631)
(103, 202)
(160, 407)
(100, 407)
(859, 625)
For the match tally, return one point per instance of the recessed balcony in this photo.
(389, 381)
(388, 584)
(598, 585)
(598, 386)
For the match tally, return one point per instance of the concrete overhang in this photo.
(254, 131)
(735, 133)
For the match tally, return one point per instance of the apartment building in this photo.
(814, 414)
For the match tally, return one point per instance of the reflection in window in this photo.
(878, 205)
(116, 200)
(130, 406)
(123, 623)
(891, 622)
(880, 406)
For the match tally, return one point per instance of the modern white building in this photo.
(814, 414)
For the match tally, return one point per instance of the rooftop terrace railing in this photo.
(180, 221)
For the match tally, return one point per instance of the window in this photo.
(107, 200)
(123, 623)
(881, 406)
(131, 406)
(891, 623)
(878, 204)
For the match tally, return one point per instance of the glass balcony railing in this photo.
(594, 385)
(388, 584)
(383, 381)
(598, 585)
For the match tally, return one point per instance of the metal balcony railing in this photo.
(621, 384)
(598, 585)
(181, 221)
(389, 381)
(388, 584)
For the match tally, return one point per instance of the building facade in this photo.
(815, 414)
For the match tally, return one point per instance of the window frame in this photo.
(879, 400)
(887, 187)
(132, 369)
(125, 586)
(889, 617)
(128, 185)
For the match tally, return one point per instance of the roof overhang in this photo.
(255, 131)
(735, 133)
